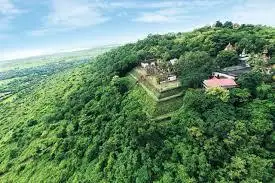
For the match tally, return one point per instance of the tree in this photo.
(239, 96)
(218, 24)
(219, 92)
(246, 44)
(264, 91)
(228, 25)
(227, 58)
(250, 81)
(194, 67)
(258, 63)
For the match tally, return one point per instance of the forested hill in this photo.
(90, 124)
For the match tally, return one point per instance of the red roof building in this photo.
(215, 82)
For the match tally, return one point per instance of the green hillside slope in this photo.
(91, 123)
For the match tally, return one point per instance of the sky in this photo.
(36, 27)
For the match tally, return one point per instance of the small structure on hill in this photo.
(230, 47)
(144, 65)
(243, 56)
(236, 70)
(216, 82)
(172, 78)
(173, 61)
(220, 75)
(236, 25)
(233, 72)
(164, 71)
(153, 64)
(149, 67)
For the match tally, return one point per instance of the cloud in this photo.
(8, 11)
(165, 4)
(171, 15)
(74, 13)
(254, 12)
(173, 11)
(71, 14)
(66, 15)
(8, 8)
(145, 5)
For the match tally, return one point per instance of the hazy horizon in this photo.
(57, 52)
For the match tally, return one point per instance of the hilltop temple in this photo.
(230, 47)
(164, 74)
(243, 56)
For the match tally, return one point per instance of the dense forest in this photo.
(90, 123)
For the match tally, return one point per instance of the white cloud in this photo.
(8, 8)
(173, 11)
(146, 5)
(171, 15)
(255, 12)
(165, 4)
(74, 13)
(8, 11)
(71, 14)
(67, 15)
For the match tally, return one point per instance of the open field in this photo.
(46, 59)
(7, 81)
(17, 76)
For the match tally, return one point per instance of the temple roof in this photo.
(215, 82)
(229, 47)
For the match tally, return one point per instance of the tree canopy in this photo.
(90, 123)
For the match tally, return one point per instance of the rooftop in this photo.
(229, 47)
(215, 82)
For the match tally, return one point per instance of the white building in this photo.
(243, 56)
(222, 75)
(144, 65)
(172, 78)
(173, 61)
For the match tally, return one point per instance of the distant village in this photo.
(164, 72)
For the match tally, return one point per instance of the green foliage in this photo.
(221, 145)
(250, 81)
(239, 96)
(193, 68)
(92, 124)
(221, 93)
(228, 25)
(264, 91)
(218, 24)
(227, 58)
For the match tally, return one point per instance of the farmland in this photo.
(21, 76)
